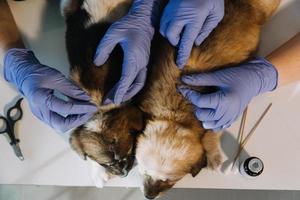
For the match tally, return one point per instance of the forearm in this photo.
(286, 59)
(9, 34)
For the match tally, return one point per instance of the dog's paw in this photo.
(98, 174)
(214, 161)
(100, 179)
(211, 143)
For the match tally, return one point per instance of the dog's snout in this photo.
(122, 166)
(149, 196)
(151, 189)
(154, 188)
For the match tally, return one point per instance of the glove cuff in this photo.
(267, 73)
(17, 65)
(149, 10)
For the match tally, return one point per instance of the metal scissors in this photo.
(13, 115)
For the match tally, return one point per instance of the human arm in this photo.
(10, 36)
(286, 60)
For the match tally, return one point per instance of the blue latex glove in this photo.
(37, 83)
(190, 22)
(237, 86)
(134, 33)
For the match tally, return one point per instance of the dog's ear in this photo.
(68, 7)
(76, 144)
(202, 163)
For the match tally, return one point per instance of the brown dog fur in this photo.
(109, 137)
(184, 146)
(174, 142)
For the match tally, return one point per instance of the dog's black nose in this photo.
(150, 196)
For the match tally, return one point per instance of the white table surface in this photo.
(50, 161)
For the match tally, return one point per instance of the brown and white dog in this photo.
(174, 143)
(109, 137)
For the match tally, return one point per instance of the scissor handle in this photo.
(14, 117)
(4, 126)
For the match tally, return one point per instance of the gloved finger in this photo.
(206, 114)
(214, 125)
(69, 107)
(203, 79)
(186, 44)
(122, 87)
(137, 85)
(63, 124)
(228, 118)
(226, 126)
(109, 98)
(211, 101)
(105, 48)
(163, 27)
(208, 26)
(173, 32)
(128, 75)
(133, 89)
(210, 124)
(68, 88)
(221, 128)
(223, 121)
(36, 110)
(164, 22)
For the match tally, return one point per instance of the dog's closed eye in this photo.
(109, 164)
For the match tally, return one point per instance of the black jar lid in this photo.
(253, 166)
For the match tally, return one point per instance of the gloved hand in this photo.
(237, 86)
(37, 83)
(134, 33)
(190, 21)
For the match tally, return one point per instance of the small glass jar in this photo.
(252, 167)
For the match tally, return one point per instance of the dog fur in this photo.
(109, 137)
(174, 143)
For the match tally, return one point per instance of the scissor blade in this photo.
(18, 151)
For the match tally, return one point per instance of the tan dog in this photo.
(174, 142)
(109, 137)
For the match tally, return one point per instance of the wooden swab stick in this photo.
(240, 135)
(251, 133)
(242, 127)
(256, 125)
